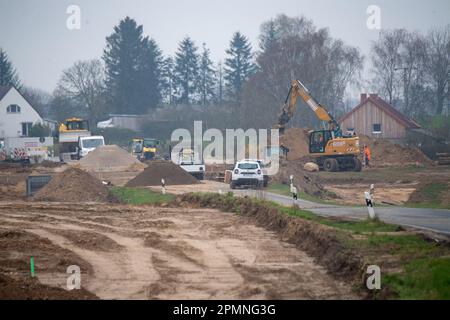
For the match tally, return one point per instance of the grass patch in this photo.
(422, 279)
(138, 196)
(430, 195)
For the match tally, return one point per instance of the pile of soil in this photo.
(297, 141)
(157, 170)
(305, 181)
(110, 158)
(73, 185)
(385, 153)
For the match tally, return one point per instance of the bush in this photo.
(40, 130)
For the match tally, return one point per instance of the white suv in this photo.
(247, 172)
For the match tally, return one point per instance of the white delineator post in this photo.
(163, 186)
(369, 201)
(294, 190)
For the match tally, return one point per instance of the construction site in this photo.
(107, 214)
(292, 165)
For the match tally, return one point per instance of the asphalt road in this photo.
(437, 220)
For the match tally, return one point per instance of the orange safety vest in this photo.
(367, 153)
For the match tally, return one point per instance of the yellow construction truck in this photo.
(331, 150)
(69, 134)
(144, 148)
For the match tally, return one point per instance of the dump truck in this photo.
(69, 134)
(331, 150)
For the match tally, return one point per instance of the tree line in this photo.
(409, 69)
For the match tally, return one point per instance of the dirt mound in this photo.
(296, 140)
(73, 185)
(110, 158)
(304, 181)
(157, 170)
(385, 153)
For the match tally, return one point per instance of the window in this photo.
(26, 127)
(13, 108)
(377, 128)
(248, 166)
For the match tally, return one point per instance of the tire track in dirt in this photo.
(177, 253)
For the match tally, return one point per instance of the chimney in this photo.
(363, 97)
(374, 95)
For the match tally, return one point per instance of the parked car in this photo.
(248, 173)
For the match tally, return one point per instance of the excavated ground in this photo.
(158, 253)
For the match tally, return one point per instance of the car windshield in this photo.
(92, 143)
(248, 166)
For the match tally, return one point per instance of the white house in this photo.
(17, 116)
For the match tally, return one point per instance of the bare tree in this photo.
(301, 51)
(438, 65)
(84, 82)
(386, 59)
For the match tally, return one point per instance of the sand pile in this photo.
(297, 140)
(385, 153)
(152, 175)
(73, 185)
(110, 158)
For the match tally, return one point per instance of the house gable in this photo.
(12, 118)
(375, 117)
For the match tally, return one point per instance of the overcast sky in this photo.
(35, 36)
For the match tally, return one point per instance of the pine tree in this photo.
(133, 69)
(268, 35)
(238, 66)
(167, 80)
(220, 83)
(186, 71)
(8, 74)
(206, 77)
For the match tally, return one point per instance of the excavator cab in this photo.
(318, 140)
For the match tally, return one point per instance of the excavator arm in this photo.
(287, 112)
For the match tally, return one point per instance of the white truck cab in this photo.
(247, 172)
(88, 144)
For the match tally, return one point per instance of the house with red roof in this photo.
(376, 118)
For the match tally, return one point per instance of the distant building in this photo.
(17, 116)
(376, 118)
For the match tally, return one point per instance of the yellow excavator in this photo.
(331, 150)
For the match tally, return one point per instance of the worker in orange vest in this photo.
(367, 155)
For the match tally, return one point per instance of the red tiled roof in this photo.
(386, 107)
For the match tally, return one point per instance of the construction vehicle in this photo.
(331, 150)
(70, 132)
(144, 148)
(88, 144)
(190, 160)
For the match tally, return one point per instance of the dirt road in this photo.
(165, 253)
